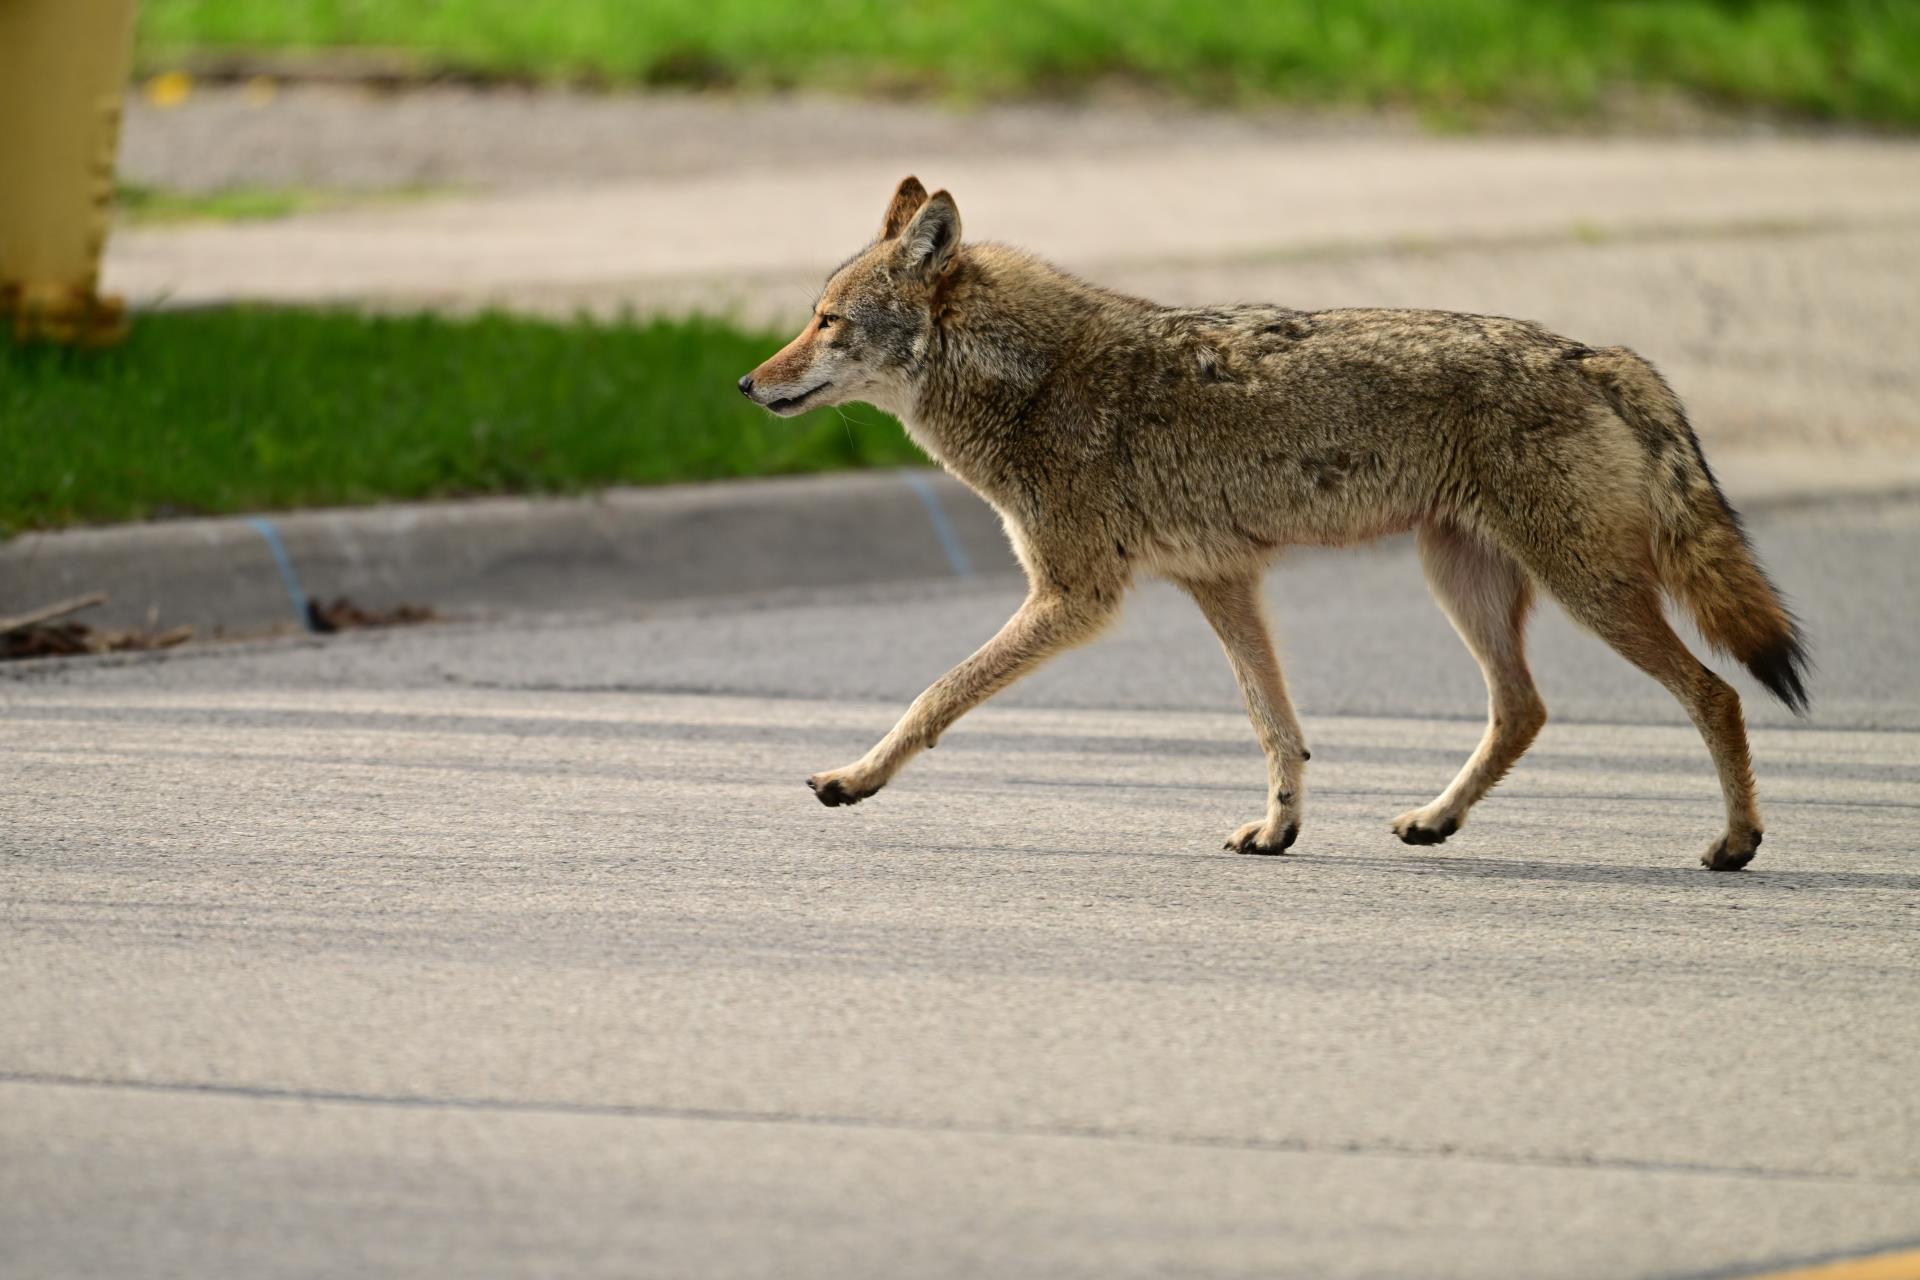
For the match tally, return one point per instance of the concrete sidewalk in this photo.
(1772, 278)
(743, 234)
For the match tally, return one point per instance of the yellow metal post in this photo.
(63, 70)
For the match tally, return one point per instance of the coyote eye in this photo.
(826, 321)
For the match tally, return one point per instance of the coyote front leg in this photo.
(1047, 623)
(1232, 605)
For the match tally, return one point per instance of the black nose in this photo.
(746, 385)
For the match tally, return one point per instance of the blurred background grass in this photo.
(1849, 60)
(247, 409)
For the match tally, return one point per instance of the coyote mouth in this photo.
(792, 404)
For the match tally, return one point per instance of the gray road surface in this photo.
(520, 949)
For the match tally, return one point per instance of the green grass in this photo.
(140, 204)
(1838, 59)
(241, 410)
(144, 204)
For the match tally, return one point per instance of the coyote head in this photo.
(872, 324)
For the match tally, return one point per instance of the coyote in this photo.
(1117, 437)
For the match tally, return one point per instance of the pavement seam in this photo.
(1088, 1133)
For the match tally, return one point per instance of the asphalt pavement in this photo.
(520, 948)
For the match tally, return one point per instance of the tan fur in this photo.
(1702, 555)
(1118, 438)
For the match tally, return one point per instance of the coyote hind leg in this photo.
(1630, 619)
(1600, 567)
(1488, 597)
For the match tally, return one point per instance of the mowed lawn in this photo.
(250, 409)
(1834, 59)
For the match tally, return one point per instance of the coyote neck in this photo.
(1000, 342)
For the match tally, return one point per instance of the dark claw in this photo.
(1250, 845)
(1718, 859)
(1430, 835)
(833, 795)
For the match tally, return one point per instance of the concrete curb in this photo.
(493, 555)
(625, 546)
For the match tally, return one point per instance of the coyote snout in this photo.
(1118, 438)
(785, 399)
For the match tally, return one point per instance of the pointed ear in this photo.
(906, 202)
(927, 244)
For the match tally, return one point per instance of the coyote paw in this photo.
(1263, 837)
(1731, 852)
(838, 786)
(1421, 827)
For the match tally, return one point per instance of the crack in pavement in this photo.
(1068, 1132)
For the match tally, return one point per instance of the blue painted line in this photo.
(942, 527)
(264, 527)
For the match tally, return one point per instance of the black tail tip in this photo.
(1782, 666)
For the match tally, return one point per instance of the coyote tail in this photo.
(1700, 549)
